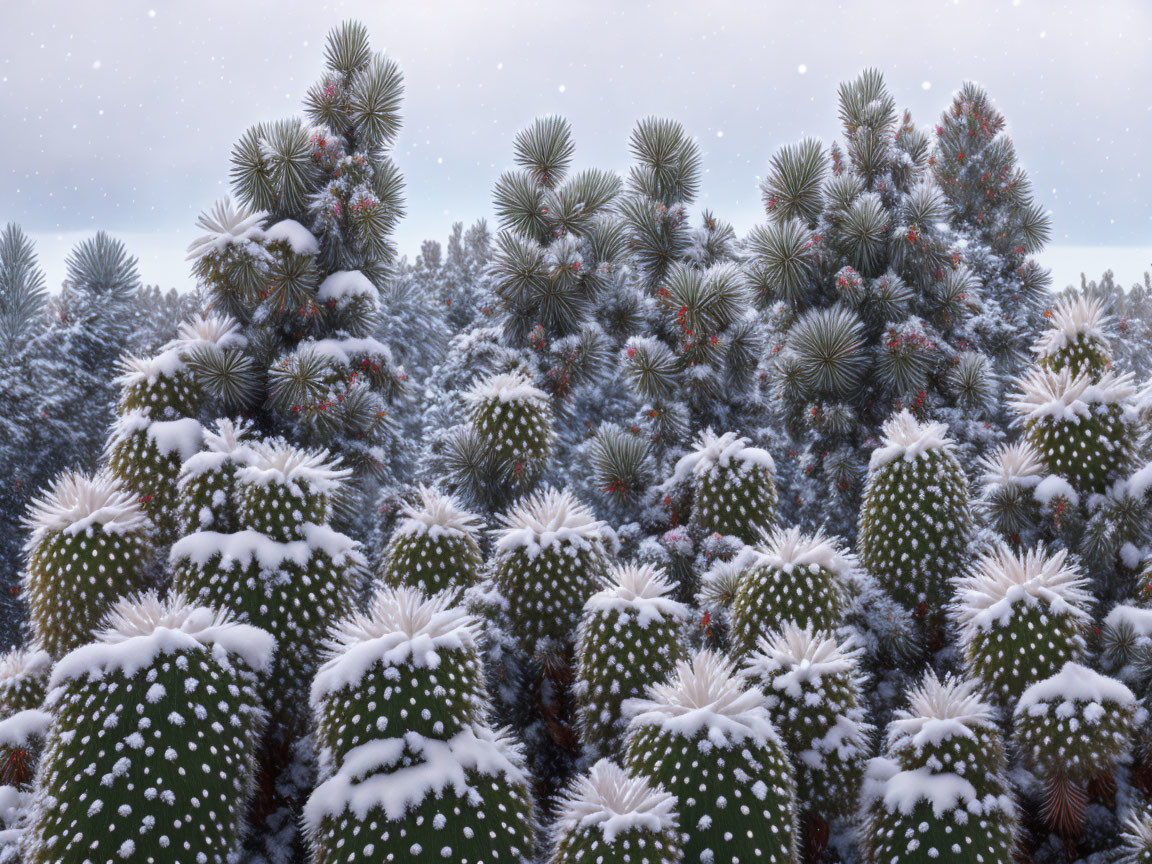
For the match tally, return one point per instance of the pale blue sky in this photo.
(121, 115)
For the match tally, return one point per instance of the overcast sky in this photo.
(121, 115)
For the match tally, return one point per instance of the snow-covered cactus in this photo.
(89, 547)
(550, 558)
(940, 791)
(706, 737)
(285, 488)
(23, 680)
(1136, 838)
(610, 817)
(1021, 617)
(514, 421)
(207, 481)
(1075, 337)
(434, 547)
(793, 577)
(815, 699)
(146, 456)
(733, 485)
(631, 635)
(151, 752)
(1079, 426)
(915, 519)
(1010, 475)
(160, 387)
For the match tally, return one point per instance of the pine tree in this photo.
(434, 547)
(88, 548)
(709, 741)
(23, 292)
(941, 791)
(168, 688)
(612, 818)
(408, 767)
(631, 635)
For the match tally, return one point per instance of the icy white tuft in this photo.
(610, 799)
(142, 627)
(248, 546)
(227, 436)
(1072, 317)
(222, 331)
(940, 710)
(792, 656)
(20, 664)
(1053, 487)
(299, 239)
(726, 451)
(1001, 580)
(641, 590)
(23, 727)
(76, 503)
(788, 548)
(225, 224)
(546, 519)
(1073, 683)
(508, 387)
(1062, 396)
(438, 516)
(705, 697)
(141, 370)
(1012, 464)
(401, 626)
(277, 461)
(907, 438)
(344, 285)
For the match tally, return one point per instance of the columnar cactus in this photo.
(167, 689)
(207, 481)
(733, 485)
(1021, 616)
(285, 488)
(794, 577)
(708, 739)
(630, 637)
(815, 699)
(514, 421)
(1079, 426)
(915, 519)
(940, 791)
(1074, 338)
(434, 547)
(408, 769)
(610, 817)
(88, 547)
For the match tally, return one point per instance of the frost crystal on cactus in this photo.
(1021, 616)
(815, 698)
(23, 680)
(514, 420)
(167, 687)
(630, 637)
(550, 558)
(207, 481)
(224, 225)
(610, 817)
(1075, 336)
(915, 518)
(285, 488)
(733, 484)
(89, 546)
(707, 738)
(940, 791)
(1078, 426)
(1010, 475)
(794, 577)
(434, 547)
(161, 387)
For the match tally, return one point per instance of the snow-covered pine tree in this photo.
(23, 291)
(815, 697)
(89, 547)
(409, 770)
(613, 818)
(434, 547)
(791, 577)
(631, 635)
(941, 790)
(915, 519)
(166, 690)
(707, 738)
(1021, 616)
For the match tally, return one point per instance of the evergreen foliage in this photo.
(23, 292)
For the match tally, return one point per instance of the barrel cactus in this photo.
(1074, 337)
(160, 387)
(434, 546)
(284, 488)
(207, 481)
(514, 421)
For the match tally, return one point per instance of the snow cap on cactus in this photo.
(907, 438)
(1016, 463)
(1075, 333)
(550, 518)
(507, 387)
(614, 804)
(223, 331)
(434, 546)
(790, 549)
(77, 502)
(642, 590)
(939, 710)
(23, 679)
(224, 225)
(724, 451)
(1073, 683)
(280, 462)
(438, 515)
(1064, 394)
(792, 657)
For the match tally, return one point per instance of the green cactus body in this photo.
(160, 387)
(815, 699)
(293, 590)
(733, 485)
(791, 576)
(285, 488)
(434, 547)
(207, 482)
(1080, 427)
(709, 741)
(940, 792)
(514, 420)
(146, 456)
(150, 756)
(89, 547)
(915, 519)
(612, 818)
(550, 559)
(631, 636)
(1021, 617)
(1074, 338)
(23, 680)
